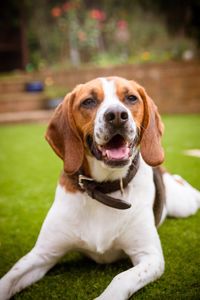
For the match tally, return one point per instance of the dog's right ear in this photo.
(151, 148)
(63, 137)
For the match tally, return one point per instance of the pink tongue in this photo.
(119, 153)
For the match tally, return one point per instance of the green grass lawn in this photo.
(28, 175)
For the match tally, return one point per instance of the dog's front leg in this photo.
(145, 252)
(125, 284)
(50, 247)
(55, 239)
(26, 271)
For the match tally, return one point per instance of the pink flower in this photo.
(66, 6)
(97, 14)
(56, 12)
(122, 24)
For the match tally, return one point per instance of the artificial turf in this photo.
(28, 175)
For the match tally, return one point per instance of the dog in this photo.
(112, 193)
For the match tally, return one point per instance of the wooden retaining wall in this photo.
(175, 87)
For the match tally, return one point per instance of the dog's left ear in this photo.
(151, 149)
(63, 136)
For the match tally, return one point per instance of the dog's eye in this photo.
(89, 103)
(131, 98)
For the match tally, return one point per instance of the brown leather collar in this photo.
(99, 190)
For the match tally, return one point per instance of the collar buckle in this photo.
(81, 178)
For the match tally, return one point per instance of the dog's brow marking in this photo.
(109, 90)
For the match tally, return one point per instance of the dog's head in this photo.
(109, 119)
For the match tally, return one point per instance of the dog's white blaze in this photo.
(110, 96)
(110, 100)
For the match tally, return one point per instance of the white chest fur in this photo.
(93, 227)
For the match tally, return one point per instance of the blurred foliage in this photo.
(54, 92)
(111, 32)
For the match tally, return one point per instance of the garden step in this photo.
(25, 117)
(15, 102)
(16, 84)
(12, 86)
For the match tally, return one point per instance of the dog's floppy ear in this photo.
(63, 137)
(151, 149)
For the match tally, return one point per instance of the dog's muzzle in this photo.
(114, 137)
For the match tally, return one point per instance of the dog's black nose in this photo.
(116, 116)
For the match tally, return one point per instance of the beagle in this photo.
(111, 194)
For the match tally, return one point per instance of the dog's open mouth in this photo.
(114, 153)
(116, 149)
